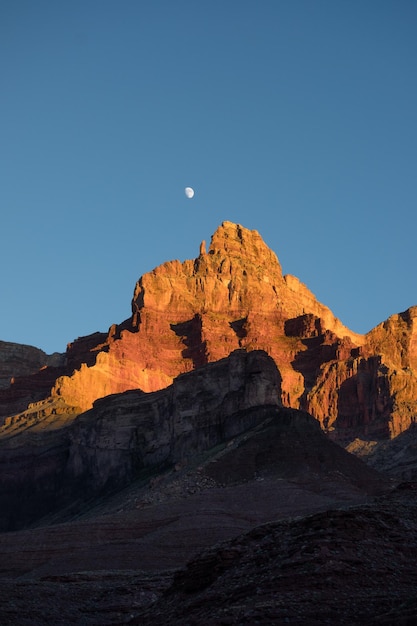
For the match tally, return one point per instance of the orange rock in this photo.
(185, 315)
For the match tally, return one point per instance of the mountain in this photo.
(233, 296)
(186, 466)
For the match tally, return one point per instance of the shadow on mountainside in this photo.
(190, 333)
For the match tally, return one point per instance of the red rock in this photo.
(235, 296)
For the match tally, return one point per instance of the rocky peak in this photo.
(396, 338)
(234, 296)
(238, 273)
(246, 245)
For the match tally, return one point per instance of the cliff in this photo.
(187, 314)
(222, 421)
(234, 296)
(50, 462)
(18, 360)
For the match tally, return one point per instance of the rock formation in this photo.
(395, 457)
(20, 360)
(50, 460)
(187, 424)
(232, 296)
(372, 393)
(126, 434)
(17, 359)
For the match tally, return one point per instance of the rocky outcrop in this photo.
(44, 467)
(31, 374)
(373, 391)
(234, 296)
(364, 396)
(396, 457)
(187, 314)
(27, 375)
(20, 360)
(126, 434)
(396, 339)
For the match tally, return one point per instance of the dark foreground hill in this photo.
(353, 565)
(320, 559)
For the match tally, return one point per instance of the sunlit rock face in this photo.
(233, 295)
(188, 314)
(372, 393)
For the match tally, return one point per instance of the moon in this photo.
(189, 192)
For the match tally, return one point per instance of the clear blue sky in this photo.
(296, 118)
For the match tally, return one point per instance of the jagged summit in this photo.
(233, 295)
(237, 276)
(236, 240)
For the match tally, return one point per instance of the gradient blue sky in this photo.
(296, 118)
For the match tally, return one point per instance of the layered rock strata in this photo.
(233, 296)
(20, 360)
(187, 314)
(129, 435)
